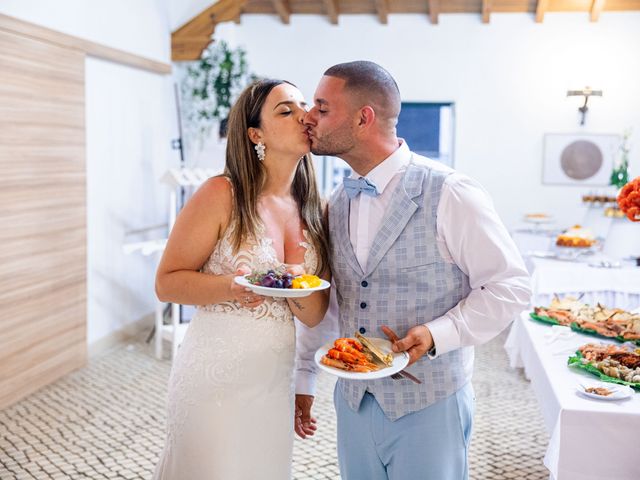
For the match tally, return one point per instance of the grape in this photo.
(271, 279)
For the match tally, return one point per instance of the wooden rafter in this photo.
(541, 9)
(382, 7)
(283, 9)
(192, 38)
(434, 10)
(596, 9)
(331, 6)
(486, 10)
(238, 16)
(188, 42)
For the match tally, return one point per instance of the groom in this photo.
(419, 255)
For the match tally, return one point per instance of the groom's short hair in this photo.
(370, 83)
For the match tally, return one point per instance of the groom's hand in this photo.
(303, 423)
(416, 343)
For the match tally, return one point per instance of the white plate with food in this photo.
(604, 391)
(538, 218)
(281, 292)
(379, 362)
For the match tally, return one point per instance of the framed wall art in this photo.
(579, 158)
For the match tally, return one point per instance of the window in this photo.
(426, 127)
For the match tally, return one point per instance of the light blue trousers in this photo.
(431, 444)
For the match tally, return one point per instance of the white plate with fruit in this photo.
(285, 285)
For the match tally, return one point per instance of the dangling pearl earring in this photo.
(260, 148)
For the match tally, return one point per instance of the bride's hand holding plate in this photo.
(242, 295)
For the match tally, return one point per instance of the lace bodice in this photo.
(257, 255)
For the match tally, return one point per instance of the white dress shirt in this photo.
(480, 246)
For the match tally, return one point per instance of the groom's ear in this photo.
(367, 116)
(254, 134)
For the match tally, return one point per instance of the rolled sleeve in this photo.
(471, 235)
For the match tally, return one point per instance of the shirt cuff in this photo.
(445, 336)
(305, 383)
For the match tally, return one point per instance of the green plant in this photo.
(210, 85)
(620, 173)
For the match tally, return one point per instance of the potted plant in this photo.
(210, 85)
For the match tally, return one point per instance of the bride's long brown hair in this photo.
(248, 176)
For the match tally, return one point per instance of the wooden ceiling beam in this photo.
(382, 7)
(434, 10)
(596, 9)
(284, 10)
(188, 41)
(331, 6)
(541, 9)
(486, 10)
(237, 18)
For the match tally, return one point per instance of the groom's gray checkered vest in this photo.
(406, 283)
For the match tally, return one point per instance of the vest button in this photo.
(363, 305)
(364, 283)
(362, 330)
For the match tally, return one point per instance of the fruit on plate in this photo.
(306, 281)
(283, 279)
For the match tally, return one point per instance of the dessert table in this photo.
(590, 439)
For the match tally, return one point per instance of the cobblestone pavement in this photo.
(107, 421)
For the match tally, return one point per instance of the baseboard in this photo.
(125, 334)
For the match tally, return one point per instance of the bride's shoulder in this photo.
(217, 189)
(214, 198)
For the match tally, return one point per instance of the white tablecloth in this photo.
(590, 439)
(612, 287)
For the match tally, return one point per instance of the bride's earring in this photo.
(260, 148)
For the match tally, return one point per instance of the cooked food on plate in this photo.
(605, 392)
(599, 320)
(356, 355)
(612, 363)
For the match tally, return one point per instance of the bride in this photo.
(231, 398)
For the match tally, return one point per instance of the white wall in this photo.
(508, 80)
(130, 121)
(129, 127)
(139, 26)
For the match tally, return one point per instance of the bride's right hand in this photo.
(242, 295)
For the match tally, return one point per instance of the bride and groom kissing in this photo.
(414, 250)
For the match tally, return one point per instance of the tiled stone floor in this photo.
(107, 421)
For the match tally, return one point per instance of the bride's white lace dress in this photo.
(231, 395)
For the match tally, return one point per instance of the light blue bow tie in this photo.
(355, 186)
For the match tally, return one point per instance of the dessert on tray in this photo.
(577, 237)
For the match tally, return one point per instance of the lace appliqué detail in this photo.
(257, 255)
